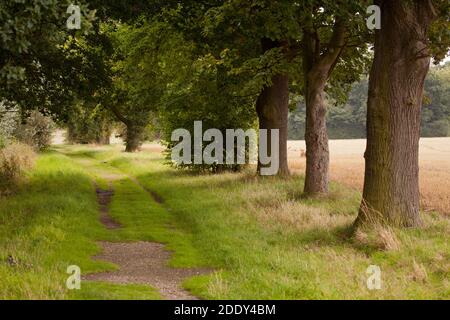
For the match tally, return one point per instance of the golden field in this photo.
(347, 167)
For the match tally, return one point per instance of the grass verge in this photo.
(266, 242)
(50, 224)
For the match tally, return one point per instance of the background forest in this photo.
(348, 121)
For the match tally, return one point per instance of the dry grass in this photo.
(15, 159)
(347, 167)
(297, 215)
(419, 272)
(380, 238)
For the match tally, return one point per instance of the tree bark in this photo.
(316, 135)
(391, 182)
(272, 108)
(317, 68)
(71, 135)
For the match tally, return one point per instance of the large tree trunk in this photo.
(272, 108)
(316, 135)
(391, 182)
(134, 137)
(317, 68)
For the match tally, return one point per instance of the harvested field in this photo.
(347, 167)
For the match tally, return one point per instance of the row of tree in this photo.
(161, 65)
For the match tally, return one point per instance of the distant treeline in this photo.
(349, 121)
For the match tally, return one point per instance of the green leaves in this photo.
(34, 70)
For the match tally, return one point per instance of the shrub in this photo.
(209, 102)
(89, 126)
(9, 121)
(15, 159)
(37, 131)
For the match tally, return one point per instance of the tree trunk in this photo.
(134, 138)
(103, 136)
(317, 68)
(316, 135)
(391, 182)
(134, 134)
(272, 108)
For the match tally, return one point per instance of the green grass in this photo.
(50, 224)
(263, 239)
(107, 291)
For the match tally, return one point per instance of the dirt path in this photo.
(104, 198)
(145, 263)
(139, 262)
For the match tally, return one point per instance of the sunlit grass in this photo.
(50, 224)
(264, 240)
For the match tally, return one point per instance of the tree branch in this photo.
(118, 115)
(335, 46)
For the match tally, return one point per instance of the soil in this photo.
(104, 198)
(145, 263)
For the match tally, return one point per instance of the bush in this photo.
(37, 131)
(15, 159)
(149, 133)
(212, 103)
(89, 126)
(9, 121)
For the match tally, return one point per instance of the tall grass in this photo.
(268, 242)
(15, 160)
